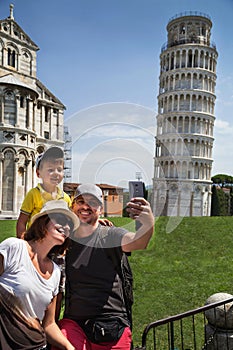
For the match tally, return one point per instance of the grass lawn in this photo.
(180, 269)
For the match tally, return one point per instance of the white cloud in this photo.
(101, 116)
(100, 162)
(223, 150)
(115, 130)
(111, 142)
(223, 127)
(114, 141)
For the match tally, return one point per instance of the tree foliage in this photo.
(223, 180)
(222, 201)
(215, 207)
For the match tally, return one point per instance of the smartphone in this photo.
(136, 189)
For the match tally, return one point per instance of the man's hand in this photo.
(105, 222)
(139, 209)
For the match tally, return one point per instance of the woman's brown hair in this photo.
(37, 232)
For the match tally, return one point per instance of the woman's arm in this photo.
(52, 331)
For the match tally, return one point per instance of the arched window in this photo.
(8, 181)
(11, 57)
(9, 107)
(21, 176)
(182, 28)
(190, 58)
(21, 169)
(26, 62)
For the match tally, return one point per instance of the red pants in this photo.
(74, 333)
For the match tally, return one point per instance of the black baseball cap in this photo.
(52, 152)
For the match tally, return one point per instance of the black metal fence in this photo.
(187, 331)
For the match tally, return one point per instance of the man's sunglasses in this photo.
(92, 202)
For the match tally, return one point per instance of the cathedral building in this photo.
(31, 117)
(185, 120)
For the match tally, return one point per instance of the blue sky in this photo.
(101, 59)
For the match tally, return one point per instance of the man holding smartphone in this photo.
(96, 315)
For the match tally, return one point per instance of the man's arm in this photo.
(138, 208)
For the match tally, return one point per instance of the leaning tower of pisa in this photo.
(185, 120)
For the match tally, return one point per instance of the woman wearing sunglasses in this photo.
(29, 280)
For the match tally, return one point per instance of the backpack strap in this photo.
(122, 267)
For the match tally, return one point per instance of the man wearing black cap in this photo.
(95, 315)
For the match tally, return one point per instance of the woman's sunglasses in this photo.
(62, 220)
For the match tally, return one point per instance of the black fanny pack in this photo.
(102, 330)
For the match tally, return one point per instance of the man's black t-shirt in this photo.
(93, 287)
